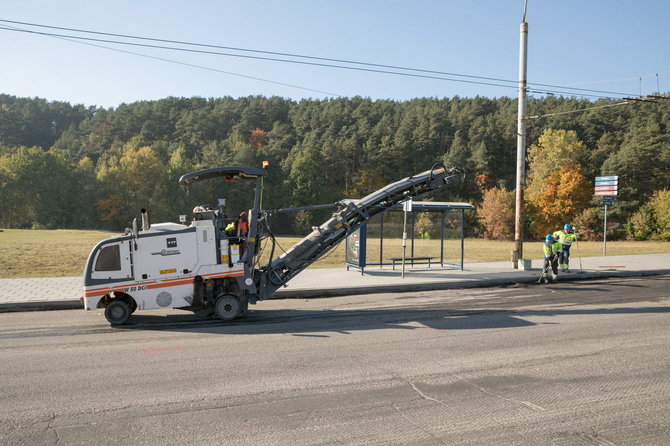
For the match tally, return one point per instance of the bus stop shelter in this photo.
(356, 242)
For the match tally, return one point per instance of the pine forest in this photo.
(76, 166)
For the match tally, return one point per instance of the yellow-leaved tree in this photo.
(556, 190)
(132, 181)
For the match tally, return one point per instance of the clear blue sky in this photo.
(595, 44)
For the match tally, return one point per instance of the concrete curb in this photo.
(71, 304)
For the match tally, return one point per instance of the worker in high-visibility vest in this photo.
(565, 237)
(552, 250)
(242, 223)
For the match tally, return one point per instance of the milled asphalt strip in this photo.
(467, 282)
(41, 306)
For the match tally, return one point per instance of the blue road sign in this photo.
(606, 183)
(610, 178)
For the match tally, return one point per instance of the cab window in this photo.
(109, 259)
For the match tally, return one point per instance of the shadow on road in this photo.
(310, 323)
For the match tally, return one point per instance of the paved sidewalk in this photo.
(65, 292)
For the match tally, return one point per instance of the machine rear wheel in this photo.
(117, 312)
(228, 307)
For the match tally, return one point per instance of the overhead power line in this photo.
(628, 101)
(249, 50)
(606, 81)
(378, 68)
(245, 56)
(554, 93)
(578, 111)
(163, 59)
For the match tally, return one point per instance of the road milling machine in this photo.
(211, 267)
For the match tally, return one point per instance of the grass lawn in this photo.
(58, 253)
(46, 253)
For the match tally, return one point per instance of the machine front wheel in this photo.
(117, 312)
(228, 307)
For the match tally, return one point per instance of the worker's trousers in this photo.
(550, 264)
(564, 259)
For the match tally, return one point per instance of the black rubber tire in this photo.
(228, 307)
(117, 312)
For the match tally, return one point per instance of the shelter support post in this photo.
(442, 238)
(413, 222)
(381, 241)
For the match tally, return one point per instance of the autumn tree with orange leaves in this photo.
(557, 190)
(258, 139)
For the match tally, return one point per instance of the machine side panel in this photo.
(165, 255)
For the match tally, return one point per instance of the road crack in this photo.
(49, 427)
(512, 400)
(423, 395)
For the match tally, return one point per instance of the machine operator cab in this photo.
(172, 265)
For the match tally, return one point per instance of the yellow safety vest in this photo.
(565, 239)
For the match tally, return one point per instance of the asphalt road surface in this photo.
(584, 363)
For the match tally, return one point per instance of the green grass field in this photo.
(58, 253)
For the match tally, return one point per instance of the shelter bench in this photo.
(411, 260)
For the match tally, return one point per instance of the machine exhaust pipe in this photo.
(145, 220)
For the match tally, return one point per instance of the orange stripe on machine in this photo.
(141, 286)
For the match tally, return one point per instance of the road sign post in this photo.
(605, 233)
(607, 188)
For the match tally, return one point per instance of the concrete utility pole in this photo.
(521, 141)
